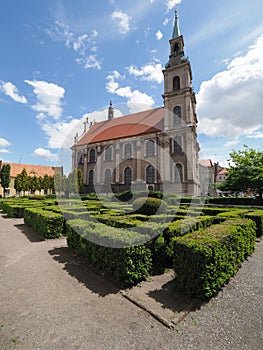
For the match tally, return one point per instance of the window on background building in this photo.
(176, 83)
(178, 173)
(92, 156)
(177, 115)
(127, 176)
(177, 144)
(91, 177)
(107, 176)
(108, 154)
(128, 151)
(150, 174)
(150, 148)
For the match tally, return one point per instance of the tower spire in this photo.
(176, 30)
(110, 112)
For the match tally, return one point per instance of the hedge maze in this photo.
(130, 238)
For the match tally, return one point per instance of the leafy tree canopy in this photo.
(245, 171)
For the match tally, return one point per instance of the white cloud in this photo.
(172, 3)
(137, 100)
(61, 134)
(230, 103)
(45, 154)
(166, 21)
(4, 142)
(150, 72)
(49, 99)
(90, 62)
(159, 35)
(123, 21)
(84, 45)
(10, 90)
(232, 143)
(79, 43)
(255, 135)
(4, 150)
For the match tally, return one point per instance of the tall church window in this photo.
(150, 148)
(108, 153)
(150, 174)
(176, 83)
(177, 144)
(107, 176)
(92, 156)
(177, 115)
(178, 173)
(91, 177)
(127, 176)
(128, 151)
(79, 158)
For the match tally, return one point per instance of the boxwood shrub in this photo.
(47, 223)
(102, 247)
(205, 260)
(149, 206)
(257, 217)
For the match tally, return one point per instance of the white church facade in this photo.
(154, 149)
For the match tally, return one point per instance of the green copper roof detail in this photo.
(176, 31)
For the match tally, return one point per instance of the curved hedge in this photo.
(149, 206)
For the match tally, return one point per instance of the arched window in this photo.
(128, 151)
(92, 156)
(177, 144)
(178, 173)
(150, 174)
(108, 154)
(176, 49)
(127, 176)
(150, 148)
(79, 158)
(107, 176)
(91, 177)
(176, 83)
(177, 115)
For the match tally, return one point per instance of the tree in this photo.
(5, 177)
(33, 183)
(245, 172)
(22, 181)
(47, 183)
(80, 181)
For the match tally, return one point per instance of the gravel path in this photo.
(49, 301)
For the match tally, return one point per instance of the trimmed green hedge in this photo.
(149, 206)
(235, 201)
(205, 260)
(47, 223)
(100, 247)
(257, 217)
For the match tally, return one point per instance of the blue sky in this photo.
(62, 60)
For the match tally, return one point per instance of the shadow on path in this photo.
(30, 233)
(77, 268)
(171, 299)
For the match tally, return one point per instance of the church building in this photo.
(155, 149)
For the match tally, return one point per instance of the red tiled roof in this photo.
(131, 125)
(206, 162)
(31, 169)
(222, 171)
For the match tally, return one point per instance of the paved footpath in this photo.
(49, 301)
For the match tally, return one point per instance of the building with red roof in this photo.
(32, 170)
(154, 149)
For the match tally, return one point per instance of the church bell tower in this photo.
(180, 120)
